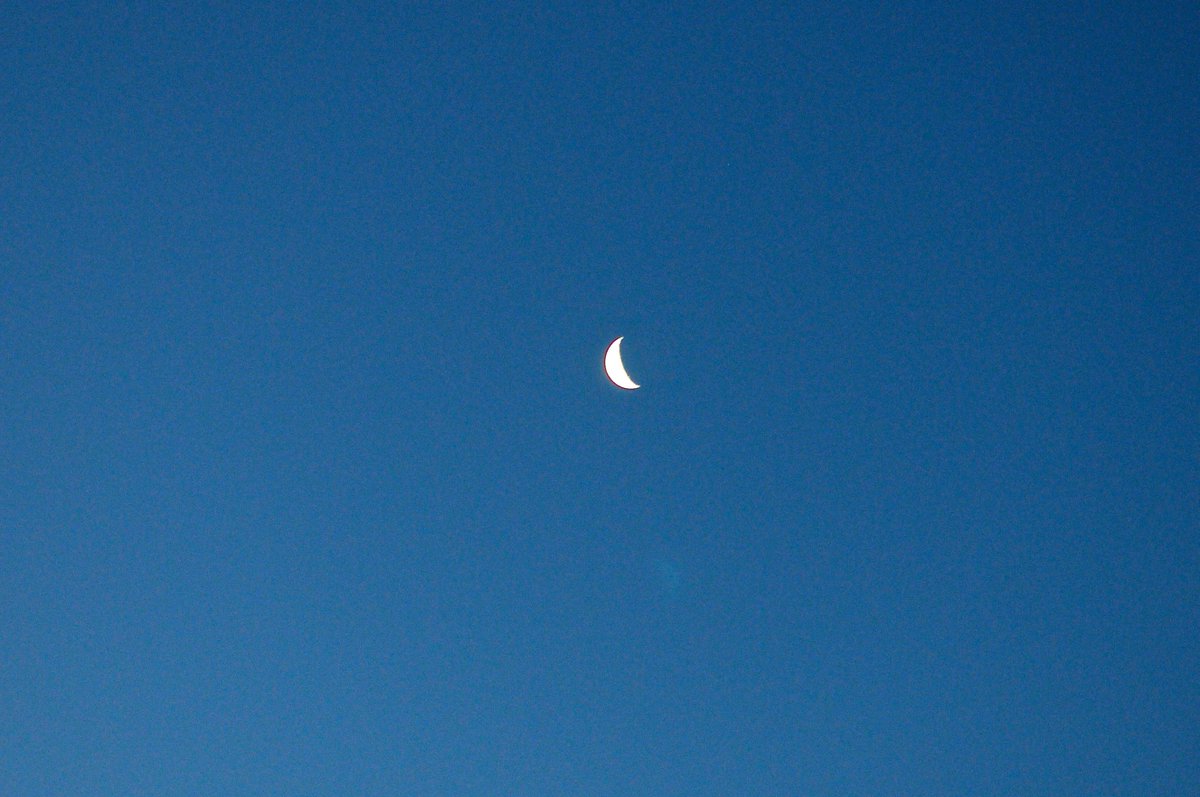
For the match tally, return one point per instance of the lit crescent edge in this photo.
(615, 369)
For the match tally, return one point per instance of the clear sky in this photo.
(311, 482)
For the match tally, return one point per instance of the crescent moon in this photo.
(615, 369)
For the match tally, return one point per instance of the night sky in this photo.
(311, 481)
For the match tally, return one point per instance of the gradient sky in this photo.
(311, 482)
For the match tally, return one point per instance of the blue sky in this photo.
(312, 483)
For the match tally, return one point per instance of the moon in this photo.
(615, 369)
